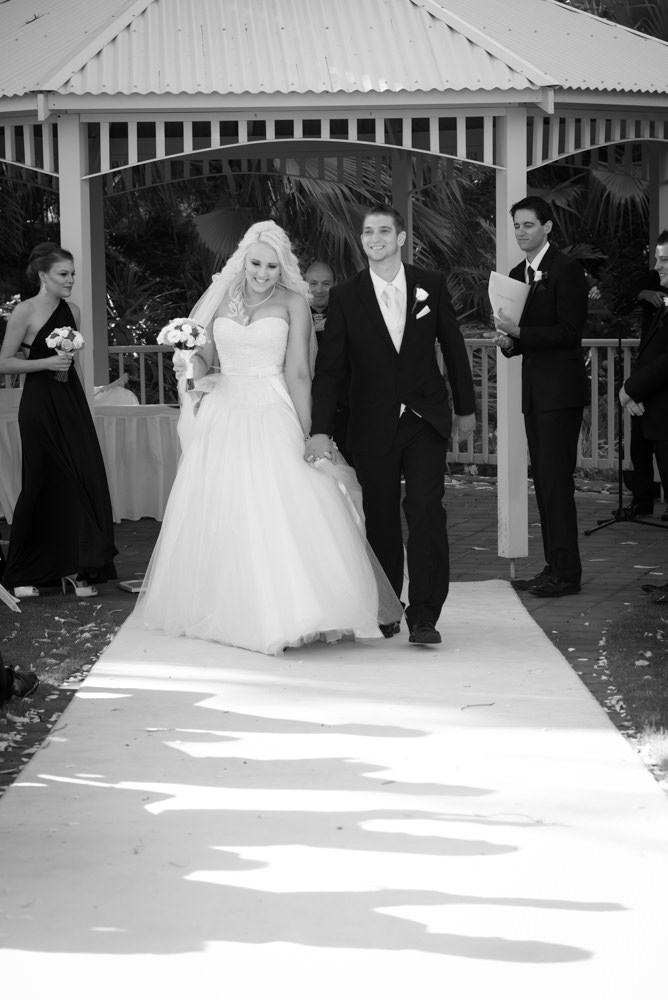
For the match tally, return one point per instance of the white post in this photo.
(512, 502)
(658, 193)
(402, 190)
(82, 233)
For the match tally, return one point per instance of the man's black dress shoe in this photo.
(664, 516)
(661, 598)
(424, 633)
(649, 588)
(533, 582)
(554, 587)
(639, 510)
(390, 629)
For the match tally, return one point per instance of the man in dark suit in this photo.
(383, 326)
(645, 392)
(640, 478)
(555, 388)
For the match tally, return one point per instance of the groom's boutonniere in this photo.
(419, 296)
(539, 276)
(665, 301)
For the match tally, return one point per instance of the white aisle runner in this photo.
(347, 821)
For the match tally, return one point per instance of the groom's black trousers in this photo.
(418, 454)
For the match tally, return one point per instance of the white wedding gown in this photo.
(258, 549)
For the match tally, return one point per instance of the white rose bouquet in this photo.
(185, 336)
(64, 340)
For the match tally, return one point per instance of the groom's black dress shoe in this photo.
(649, 588)
(424, 633)
(533, 582)
(554, 587)
(661, 598)
(392, 628)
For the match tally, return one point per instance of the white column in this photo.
(658, 193)
(82, 233)
(513, 542)
(402, 188)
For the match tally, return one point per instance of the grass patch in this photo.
(636, 649)
(60, 638)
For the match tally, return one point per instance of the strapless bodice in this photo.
(257, 349)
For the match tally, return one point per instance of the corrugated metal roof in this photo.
(581, 51)
(228, 47)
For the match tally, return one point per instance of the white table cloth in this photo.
(140, 449)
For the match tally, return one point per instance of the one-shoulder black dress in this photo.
(63, 522)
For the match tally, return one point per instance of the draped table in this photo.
(140, 449)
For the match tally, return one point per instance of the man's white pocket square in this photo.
(423, 312)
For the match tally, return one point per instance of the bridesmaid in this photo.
(62, 529)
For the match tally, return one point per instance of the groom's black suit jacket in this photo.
(381, 379)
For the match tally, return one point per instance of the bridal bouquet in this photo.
(185, 336)
(65, 340)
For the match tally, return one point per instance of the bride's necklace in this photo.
(254, 305)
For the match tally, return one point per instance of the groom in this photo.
(383, 326)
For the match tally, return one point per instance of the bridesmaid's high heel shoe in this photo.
(81, 589)
(20, 592)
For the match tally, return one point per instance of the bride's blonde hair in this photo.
(230, 281)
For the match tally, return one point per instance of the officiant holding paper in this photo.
(555, 387)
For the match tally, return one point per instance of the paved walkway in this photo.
(355, 820)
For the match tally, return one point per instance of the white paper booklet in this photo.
(507, 294)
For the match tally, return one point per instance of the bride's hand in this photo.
(180, 363)
(319, 446)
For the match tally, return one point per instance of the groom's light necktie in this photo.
(392, 299)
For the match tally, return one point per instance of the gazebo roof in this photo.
(101, 48)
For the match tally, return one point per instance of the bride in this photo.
(258, 549)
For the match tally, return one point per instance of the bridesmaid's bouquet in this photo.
(65, 340)
(185, 336)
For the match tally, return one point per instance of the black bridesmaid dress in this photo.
(63, 522)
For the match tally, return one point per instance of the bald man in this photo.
(320, 278)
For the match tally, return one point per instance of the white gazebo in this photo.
(95, 93)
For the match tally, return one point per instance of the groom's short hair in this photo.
(381, 209)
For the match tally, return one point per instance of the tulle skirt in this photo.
(258, 549)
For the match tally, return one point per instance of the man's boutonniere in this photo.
(420, 296)
(665, 301)
(539, 276)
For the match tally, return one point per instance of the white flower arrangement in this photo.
(185, 336)
(64, 340)
(419, 295)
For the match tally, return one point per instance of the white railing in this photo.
(597, 447)
(151, 372)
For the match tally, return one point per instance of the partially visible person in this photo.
(383, 326)
(555, 388)
(16, 683)
(320, 280)
(644, 393)
(258, 549)
(640, 478)
(62, 530)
